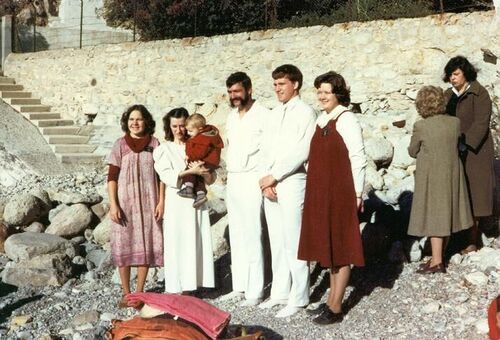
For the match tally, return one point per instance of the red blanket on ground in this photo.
(209, 318)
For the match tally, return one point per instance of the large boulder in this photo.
(380, 150)
(23, 209)
(401, 158)
(71, 221)
(25, 246)
(39, 271)
(102, 232)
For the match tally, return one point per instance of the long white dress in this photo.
(188, 255)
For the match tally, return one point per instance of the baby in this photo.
(205, 145)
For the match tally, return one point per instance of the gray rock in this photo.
(39, 271)
(78, 260)
(102, 231)
(35, 227)
(53, 212)
(100, 210)
(27, 245)
(373, 178)
(23, 209)
(77, 240)
(67, 197)
(44, 196)
(98, 257)
(401, 158)
(431, 307)
(71, 221)
(380, 150)
(219, 242)
(91, 317)
(476, 278)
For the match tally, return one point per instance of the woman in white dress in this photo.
(188, 256)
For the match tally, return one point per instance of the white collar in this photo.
(458, 93)
(325, 117)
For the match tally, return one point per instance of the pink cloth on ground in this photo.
(209, 318)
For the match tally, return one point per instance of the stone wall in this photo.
(385, 62)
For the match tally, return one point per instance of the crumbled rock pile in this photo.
(55, 250)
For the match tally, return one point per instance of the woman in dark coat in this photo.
(335, 178)
(471, 103)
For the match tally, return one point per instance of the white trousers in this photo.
(284, 218)
(244, 206)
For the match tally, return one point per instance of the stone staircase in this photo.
(68, 141)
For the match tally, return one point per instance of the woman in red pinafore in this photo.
(330, 227)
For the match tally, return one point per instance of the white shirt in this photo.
(348, 127)
(244, 138)
(287, 138)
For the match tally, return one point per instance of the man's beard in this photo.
(243, 101)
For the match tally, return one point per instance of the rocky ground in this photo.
(385, 300)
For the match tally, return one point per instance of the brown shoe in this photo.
(425, 264)
(438, 268)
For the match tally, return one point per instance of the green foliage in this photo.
(163, 19)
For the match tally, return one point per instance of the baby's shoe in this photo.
(186, 192)
(201, 198)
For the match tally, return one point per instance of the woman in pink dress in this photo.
(136, 200)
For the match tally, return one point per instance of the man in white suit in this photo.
(286, 149)
(244, 128)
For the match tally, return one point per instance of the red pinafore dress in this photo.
(330, 227)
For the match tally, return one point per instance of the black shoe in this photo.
(327, 317)
(317, 310)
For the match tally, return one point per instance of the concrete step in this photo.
(24, 101)
(73, 148)
(7, 80)
(11, 87)
(31, 108)
(53, 122)
(66, 139)
(15, 94)
(41, 115)
(80, 158)
(64, 130)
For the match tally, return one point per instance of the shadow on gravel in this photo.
(6, 312)
(384, 225)
(6, 289)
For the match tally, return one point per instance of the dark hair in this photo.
(178, 112)
(288, 71)
(239, 77)
(339, 86)
(459, 62)
(146, 115)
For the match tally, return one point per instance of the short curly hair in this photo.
(146, 115)
(430, 101)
